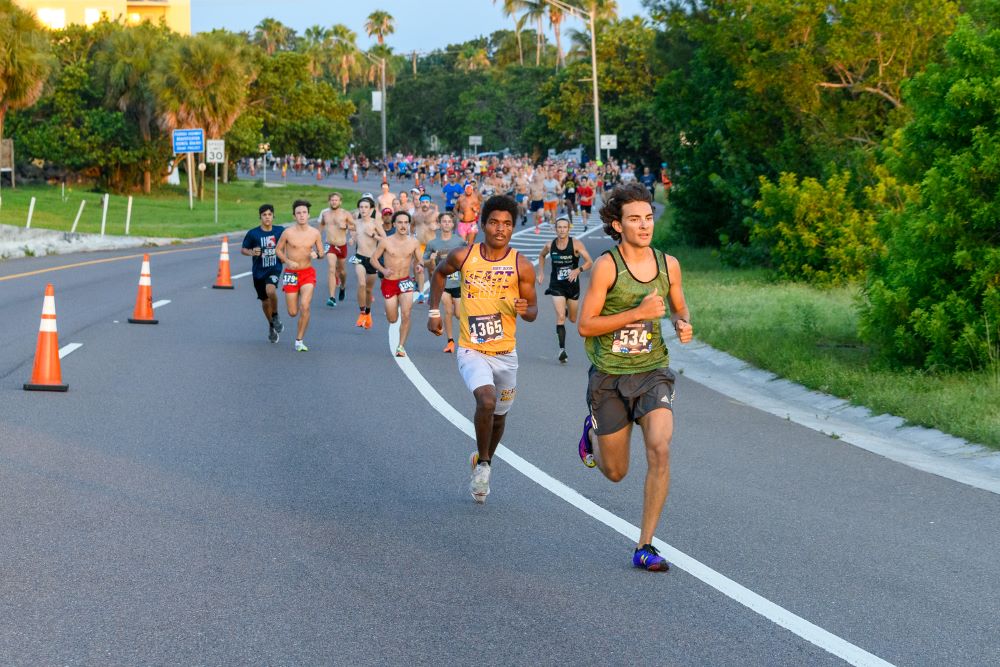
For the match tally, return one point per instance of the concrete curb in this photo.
(922, 448)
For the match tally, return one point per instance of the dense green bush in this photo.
(814, 231)
(934, 298)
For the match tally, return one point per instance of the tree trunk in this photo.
(538, 43)
(520, 51)
(225, 171)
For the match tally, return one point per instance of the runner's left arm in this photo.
(526, 305)
(581, 250)
(680, 316)
(541, 262)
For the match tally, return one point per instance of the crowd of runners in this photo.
(421, 253)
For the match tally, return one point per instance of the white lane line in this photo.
(66, 349)
(242, 275)
(812, 633)
(161, 302)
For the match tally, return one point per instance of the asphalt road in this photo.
(200, 496)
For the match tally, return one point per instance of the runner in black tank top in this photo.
(564, 283)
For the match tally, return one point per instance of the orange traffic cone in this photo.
(143, 313)
(222, 279)
(46, 374)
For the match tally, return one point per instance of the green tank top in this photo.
(638, 347)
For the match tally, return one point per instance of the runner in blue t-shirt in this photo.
(451, 191)
(260, 244)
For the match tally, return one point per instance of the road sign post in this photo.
(609, 142)
(215, 153)
(189, 141)
(475, 140)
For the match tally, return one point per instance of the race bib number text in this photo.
(636, 338)
(485, 328)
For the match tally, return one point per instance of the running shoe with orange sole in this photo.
(368, 321)
(361, 320)
(450, 347)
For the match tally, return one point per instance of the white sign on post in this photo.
(215, 151)
(609, 141)
(475, 140)
(376, 100)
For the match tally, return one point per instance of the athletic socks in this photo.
(561, 332)
(341, 294)
(483, 462)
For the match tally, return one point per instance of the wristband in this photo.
(433, 312)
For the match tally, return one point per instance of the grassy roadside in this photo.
(809, 336)
(164, 213)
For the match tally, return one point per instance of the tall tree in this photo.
(379, 24)
(345, 55)
(124, 68)
(24, 59)
(202, 81)
(273, 35)
(556, 17)
(472, 59)
(510, 8)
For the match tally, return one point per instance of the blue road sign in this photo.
(189, 141)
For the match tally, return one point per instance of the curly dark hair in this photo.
(613, 205)
(498, 203)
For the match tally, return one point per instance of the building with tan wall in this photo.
(57, 14)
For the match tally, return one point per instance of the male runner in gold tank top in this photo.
(498, 284)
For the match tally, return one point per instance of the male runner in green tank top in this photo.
(630, 381)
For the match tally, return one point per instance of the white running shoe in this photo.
(479, 485)
(300, 346)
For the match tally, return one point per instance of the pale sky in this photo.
(422, 25)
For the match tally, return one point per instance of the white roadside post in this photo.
(609, 142)
(78, 214)
(215, 153)
(128, 215)
(104, 214)
(31, 212)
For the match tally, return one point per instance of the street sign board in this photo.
(475, 140)
(376, 100)
(609, 141)
(215, 151)
(189, 141)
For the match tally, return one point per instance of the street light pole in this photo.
(590, 16)
(385, 156)
(593, 75)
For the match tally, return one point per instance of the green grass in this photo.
(164, 213)
(809, 336)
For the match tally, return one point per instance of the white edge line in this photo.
(242, 275)
(161, 302)
(67, 349)
(812, 633)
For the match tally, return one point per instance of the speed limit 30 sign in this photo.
(215, 151)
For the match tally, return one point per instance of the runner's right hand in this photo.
(652, 306)
(434, 325)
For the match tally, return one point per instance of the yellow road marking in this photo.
(101, 261)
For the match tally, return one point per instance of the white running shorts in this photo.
(499, 370)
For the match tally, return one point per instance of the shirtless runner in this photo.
(368, 233)
(297, 247)
(401, 253)
(469, 203)
(425, 228)
(335, 221)
(386, 199)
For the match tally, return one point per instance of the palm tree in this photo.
(345, 54)
(472, 59)
(380, 24)
(124, 66)
(510, 8)
(24, 59)
(202, 81)
(534, 10)
(555, 20)
(317, 44)
(272, 35)
(381, 52)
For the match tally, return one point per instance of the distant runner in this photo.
(295, 250)
(630, 382)
(260, 243)
(336, 221)
(368, 232)
(402, 256)
(436, 252)
(564, 283)
(498, 284)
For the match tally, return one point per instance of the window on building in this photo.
(52, 18)
(92, 15)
